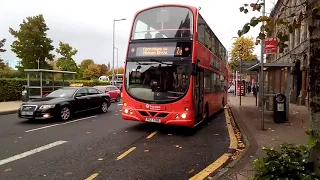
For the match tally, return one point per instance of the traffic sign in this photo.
(270, 46)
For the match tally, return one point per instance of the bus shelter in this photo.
(277, 79)
(41, 82)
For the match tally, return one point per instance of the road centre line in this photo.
(125, 153)
(92, 176)
(211, 168)
(33, 151)
(53, 125)
(151, 135)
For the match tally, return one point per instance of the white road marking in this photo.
(120, 104)
(53, 125)
(33, 151)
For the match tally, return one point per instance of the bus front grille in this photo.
(153, 114)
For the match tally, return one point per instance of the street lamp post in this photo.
(117, 58)
(113, 41)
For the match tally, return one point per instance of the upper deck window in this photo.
(163, 22)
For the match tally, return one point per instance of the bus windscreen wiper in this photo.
(154, 60)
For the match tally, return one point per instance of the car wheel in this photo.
(104, 107)
(118, 98)
(65, 113)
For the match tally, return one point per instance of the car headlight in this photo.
(47, 106)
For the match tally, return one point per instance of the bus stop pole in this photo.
(262, 73)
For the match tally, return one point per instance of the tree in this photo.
(32, 44)
(283, 21)
(2, 64)
(85, 64)
(66, 62)
(242, 49)
(119, 70)
(103, 69)
(92, 72)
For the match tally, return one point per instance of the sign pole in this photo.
(262, 73)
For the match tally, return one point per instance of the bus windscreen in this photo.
(163, 22)
(157, 80)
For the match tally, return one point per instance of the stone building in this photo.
(297, 52)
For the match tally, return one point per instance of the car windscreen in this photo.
(65, 92)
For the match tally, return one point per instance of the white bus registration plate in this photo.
(154, 120)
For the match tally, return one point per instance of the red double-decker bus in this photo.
(175, 69)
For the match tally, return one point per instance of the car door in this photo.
(82, 100)
(95, 98)
(111, 92)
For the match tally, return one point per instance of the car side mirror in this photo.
(77, 96)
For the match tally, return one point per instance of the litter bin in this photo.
(279, 108)
(25, 93)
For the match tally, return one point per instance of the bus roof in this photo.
(192, 8)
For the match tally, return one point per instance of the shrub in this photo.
(10, 89)
(291, 162)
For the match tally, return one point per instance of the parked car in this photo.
(231, 89)
(65, 102)
(115, 93)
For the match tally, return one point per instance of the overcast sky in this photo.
(87, 25)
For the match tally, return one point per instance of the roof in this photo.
(257, 66)
(276, 7)
(51, 71)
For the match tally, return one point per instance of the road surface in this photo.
(103, 146)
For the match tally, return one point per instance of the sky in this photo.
(87, 25)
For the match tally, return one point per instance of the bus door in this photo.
(198, 93)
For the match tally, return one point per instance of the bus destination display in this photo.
(159, 50)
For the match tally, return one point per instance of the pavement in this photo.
(247, 118)
(9, 107)
(103, 146)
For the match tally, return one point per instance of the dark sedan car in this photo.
(65, 102)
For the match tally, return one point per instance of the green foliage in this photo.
(291, 162)
(243, 49)
(66, 62)
(85, 64)
(11, 88)
(92, 72)
(32, 44)
(12, 74)
(233, 64)
(2, 64)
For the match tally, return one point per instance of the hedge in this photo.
(10, 89)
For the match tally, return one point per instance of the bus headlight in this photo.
(126, 111)
(183, 116)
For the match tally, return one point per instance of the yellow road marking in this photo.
(125, 153)
(232, 136)
(152, 134)
(211, 168)
(92, 176)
